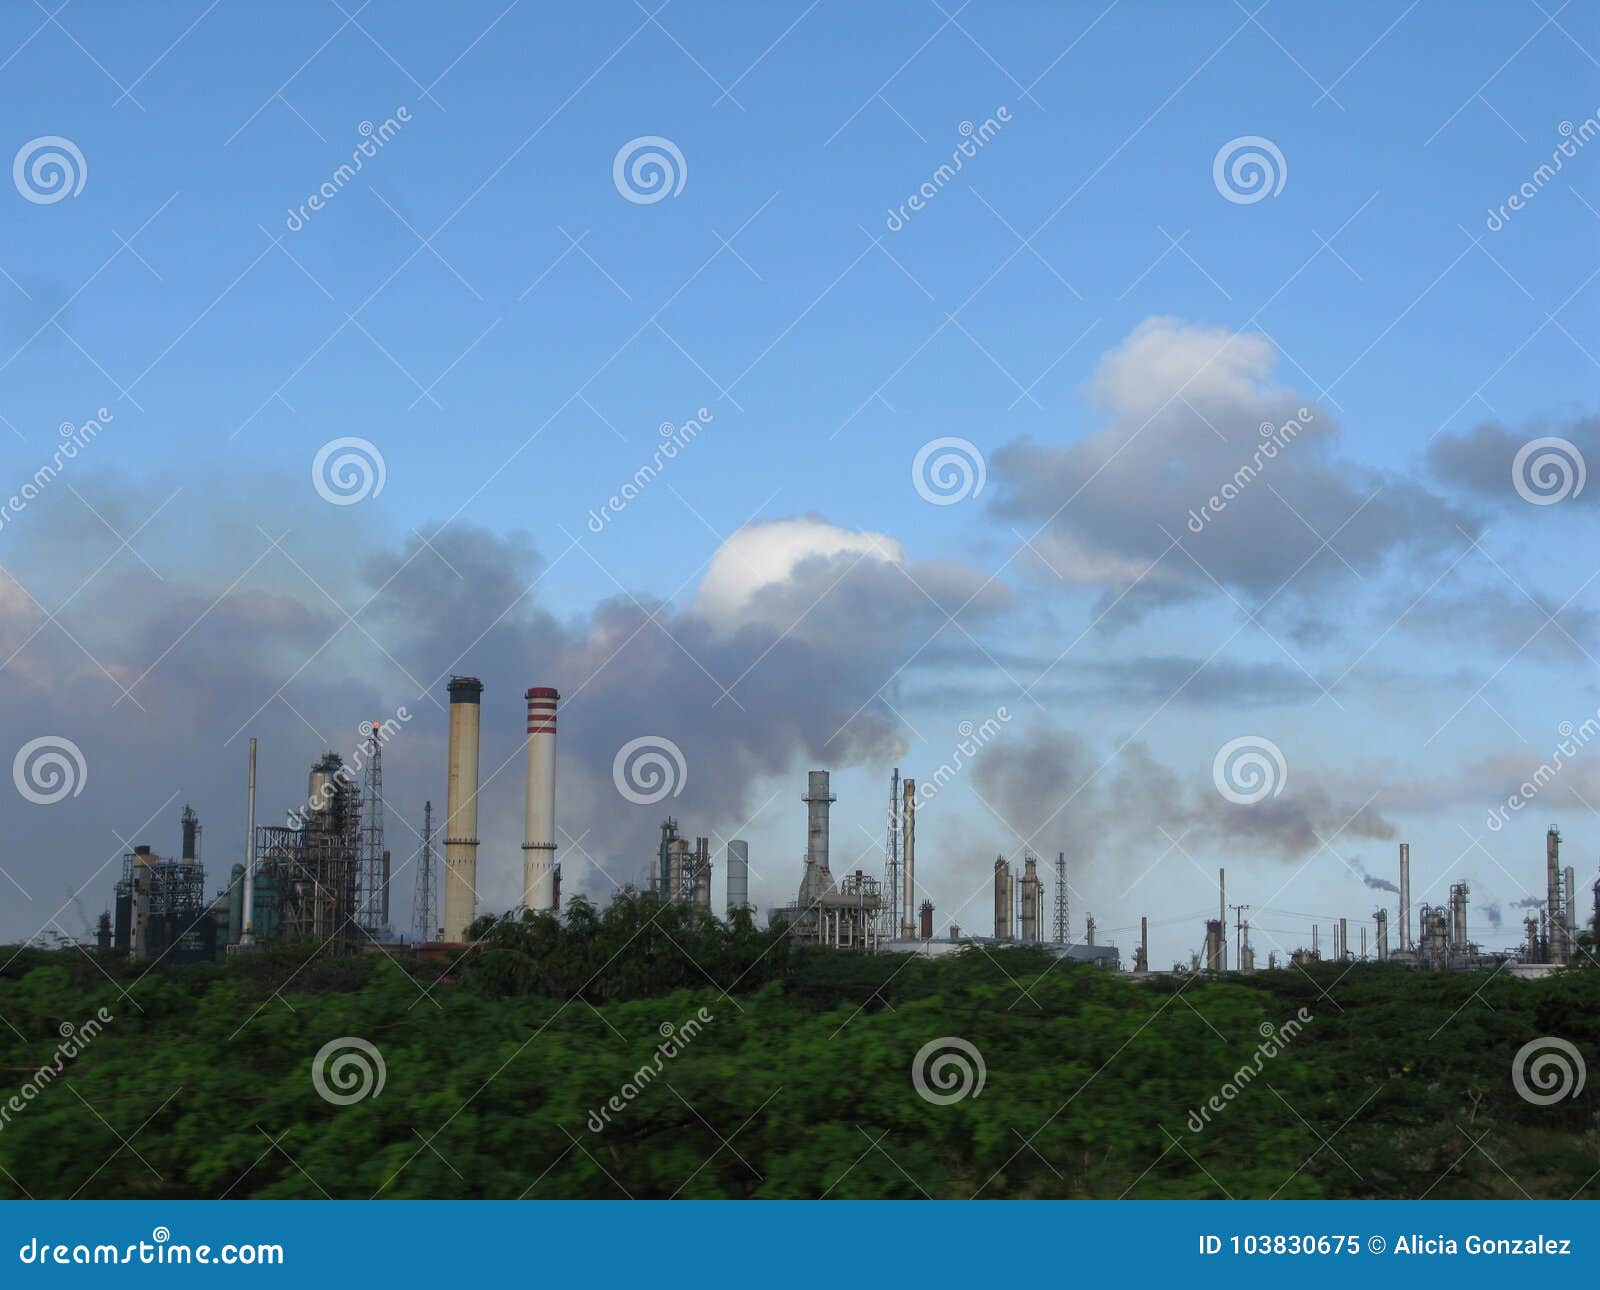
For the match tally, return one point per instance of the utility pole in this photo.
(1238, 933)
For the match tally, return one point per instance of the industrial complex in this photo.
(323, 878)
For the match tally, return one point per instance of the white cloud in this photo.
(764, 555)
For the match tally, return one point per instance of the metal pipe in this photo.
(247, 938)
(1405, 896)
(539, 815)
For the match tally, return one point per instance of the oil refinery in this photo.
(324, 877)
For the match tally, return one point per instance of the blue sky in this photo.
(513, 380)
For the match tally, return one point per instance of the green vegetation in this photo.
(498, 1069)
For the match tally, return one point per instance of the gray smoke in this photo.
(1370, 880)
(1042, 782)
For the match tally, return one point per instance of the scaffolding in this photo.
(372, 880)
(310, 867)
(177, 925)
(890, 910)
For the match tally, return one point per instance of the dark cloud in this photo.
(1191, 415)
(1482, 461)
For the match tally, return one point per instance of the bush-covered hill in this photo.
(539, 1067)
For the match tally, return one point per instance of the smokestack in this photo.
(1405, 897)
(539, 826)
(738, 875)
(461, 808)
(818, 799)
(927, 920)
(1382, 919)
(908, 856)
(247, 938)
(1144, 944)
(1344, 942)
(1088, 930)
(191, 834)
(1556, 930)
(1222, 920)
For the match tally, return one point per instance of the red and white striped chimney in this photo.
(539, 835)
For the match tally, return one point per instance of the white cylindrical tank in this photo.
(461, 808)
(738, 875)
(539, 833)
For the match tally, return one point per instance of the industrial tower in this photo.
(891, 861)
(1060, 936)
(372, 900)
(424, 916)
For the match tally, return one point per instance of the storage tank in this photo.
(738, 875)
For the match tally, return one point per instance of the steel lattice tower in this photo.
(424, 918)
(1061, 898)
(372, 896)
